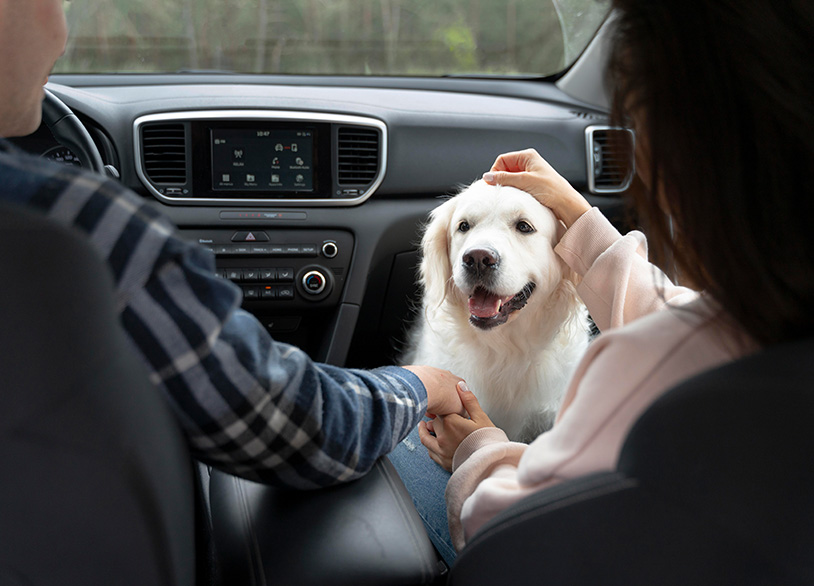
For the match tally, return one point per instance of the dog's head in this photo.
(490, 249)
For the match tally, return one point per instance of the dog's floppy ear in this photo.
(435, 268)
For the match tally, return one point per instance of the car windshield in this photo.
(528, 38)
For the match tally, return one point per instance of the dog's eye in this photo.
(524, 227)
(463, 226)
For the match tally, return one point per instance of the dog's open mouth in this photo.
(487, 310)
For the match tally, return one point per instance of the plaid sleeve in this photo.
(249, 405)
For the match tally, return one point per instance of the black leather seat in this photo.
(97, 484)
(715, 485)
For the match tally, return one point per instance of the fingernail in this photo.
(463, 386)
(489, 177)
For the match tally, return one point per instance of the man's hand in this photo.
(442, 394)
(451, 430)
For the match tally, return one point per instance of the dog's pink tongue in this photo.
(483, 304)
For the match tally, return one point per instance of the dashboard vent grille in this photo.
(358, 156)
(610, 158)
(164, 149)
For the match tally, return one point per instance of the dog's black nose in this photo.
(481, 260)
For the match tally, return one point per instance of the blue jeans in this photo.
(425, 481)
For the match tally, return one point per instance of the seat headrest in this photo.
(734, 446)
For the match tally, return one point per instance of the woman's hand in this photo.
(442, 394)
(451, 430)
(528, 171)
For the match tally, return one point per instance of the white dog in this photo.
(500, 308)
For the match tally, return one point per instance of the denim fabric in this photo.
(426, 482)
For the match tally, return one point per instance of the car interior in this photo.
(100, 487)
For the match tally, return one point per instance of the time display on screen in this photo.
(262, 160)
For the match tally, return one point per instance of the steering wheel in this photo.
(69, 131)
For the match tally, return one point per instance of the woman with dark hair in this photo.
(721, 97)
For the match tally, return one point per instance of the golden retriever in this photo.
(499, 306)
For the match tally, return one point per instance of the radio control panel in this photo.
(281, 269)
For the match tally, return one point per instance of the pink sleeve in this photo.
(485, 456)
(491, 473)
(608, 393)
(618, 284)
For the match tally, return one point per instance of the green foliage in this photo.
(460, 42)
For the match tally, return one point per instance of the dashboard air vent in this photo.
(610, 158)
(165, 153)
(358, 155)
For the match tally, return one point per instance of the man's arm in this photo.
(249, 405)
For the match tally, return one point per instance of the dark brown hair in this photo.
(721, 95)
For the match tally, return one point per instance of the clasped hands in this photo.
(454, 413)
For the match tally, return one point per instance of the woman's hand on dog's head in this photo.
(528, 171)
(444, 433)
(442, 393)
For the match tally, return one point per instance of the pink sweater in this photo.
(623, 372)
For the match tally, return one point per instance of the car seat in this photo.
(714, 485)
(97, 483)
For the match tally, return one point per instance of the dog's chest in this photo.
(516, 394)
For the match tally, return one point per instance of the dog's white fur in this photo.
(517, 370)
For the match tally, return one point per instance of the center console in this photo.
(245, 162)
(292, 280)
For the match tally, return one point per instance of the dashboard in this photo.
(312, 192)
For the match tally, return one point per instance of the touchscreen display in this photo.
(262, 159)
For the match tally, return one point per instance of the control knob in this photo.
(330, 249)
(314, 282)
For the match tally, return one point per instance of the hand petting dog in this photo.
(528, 171)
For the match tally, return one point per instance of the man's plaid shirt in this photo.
(249, 405)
